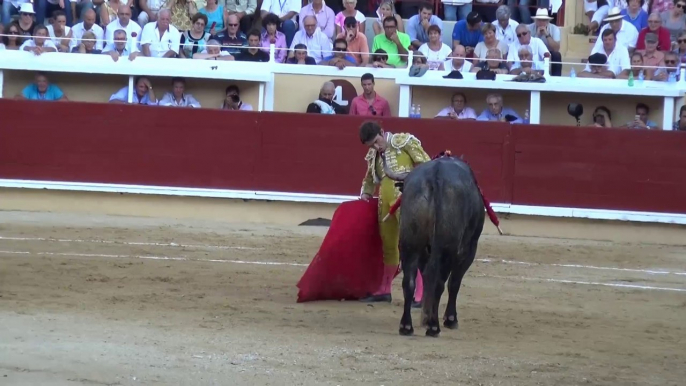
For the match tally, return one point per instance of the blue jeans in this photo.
(45, 9)
(7, 11)
(288, 29)
(450, 11)
(524, 13)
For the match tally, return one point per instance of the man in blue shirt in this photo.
(496, 111)
(42, 90)
(418, 25)
(340, 57)
(468, 33)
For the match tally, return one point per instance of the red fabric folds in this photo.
(349, 264)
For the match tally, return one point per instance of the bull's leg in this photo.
(409, 266)
(433, 328)
(464, 261)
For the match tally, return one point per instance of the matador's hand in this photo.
(365, 197)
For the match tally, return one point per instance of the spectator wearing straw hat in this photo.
(627, 34)
(550, 35)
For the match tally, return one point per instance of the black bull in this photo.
(442, 216)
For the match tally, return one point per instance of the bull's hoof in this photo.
(406, 330)
(433, 331)
(416, 304)
(377, 298)
(450, 322)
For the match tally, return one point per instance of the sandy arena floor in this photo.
(110, 301)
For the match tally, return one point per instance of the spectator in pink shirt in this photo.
(369, 103)
(326, 19)
(271, 36)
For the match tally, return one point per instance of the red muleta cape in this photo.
(349, 264)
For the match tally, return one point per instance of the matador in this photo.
(402, 152)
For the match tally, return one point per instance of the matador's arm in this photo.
(416, 152)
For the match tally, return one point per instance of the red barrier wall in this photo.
(532, 165)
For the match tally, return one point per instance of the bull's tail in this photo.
(444, 244)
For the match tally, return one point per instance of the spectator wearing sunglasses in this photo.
(671, 66)
(369, 103)
(539, 51)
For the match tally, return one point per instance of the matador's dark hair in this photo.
(369, 130)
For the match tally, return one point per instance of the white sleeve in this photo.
(48, 43)
(445, 52)
(512, 53)
(624, 60)
(632, 36)
(542, 48)
(266, 5)
(147, 34)
(100, 35)
(176, 40)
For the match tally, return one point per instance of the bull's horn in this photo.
(391, 174)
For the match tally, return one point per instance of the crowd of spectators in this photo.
(635, 38)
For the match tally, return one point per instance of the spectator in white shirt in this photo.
(458, 62)
(325, 17)
(286, 10)
(123, 21)
(318, 45)
(161, 39)
(526, 63)
(458, 109)
(538, 48)
(505, 27)
(550, 35)
(435, 51)
(88, 24)
(149, 11)
(142, 94)
(44, 9)
(618, 61)
(177, 97)
(59, 33)
(40, 43)
(121, 47)
(626, 33)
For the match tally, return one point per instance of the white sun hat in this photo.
(542, 14)
(26, 8)
(614, 14)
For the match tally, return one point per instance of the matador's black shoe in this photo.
(377, 298)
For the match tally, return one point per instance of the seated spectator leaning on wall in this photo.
(395, 43)
(340, 58)
(641, 120)
(300, 56)
(369, 103)
(458, 109)
(493, 63)
(244, 10)
(636, 67)
(467, 32)
(177, 97)
(458, 62)
(42, 89)
(325, 104)
(142, 93)
(59, 32)
(549, 34)
(318, 45)
(496, 111)
(254, 53)
(357, 41)
(40, 43)
(212, 52)
(618, 61)
(379, 59)
(122, 47)
(160, 39)
(597, 67)
(671, 67)
(680, 124)
(418, 25)
(526, 63)
(538, 49)
(233, 101)
(87, 45)
(232, 39)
